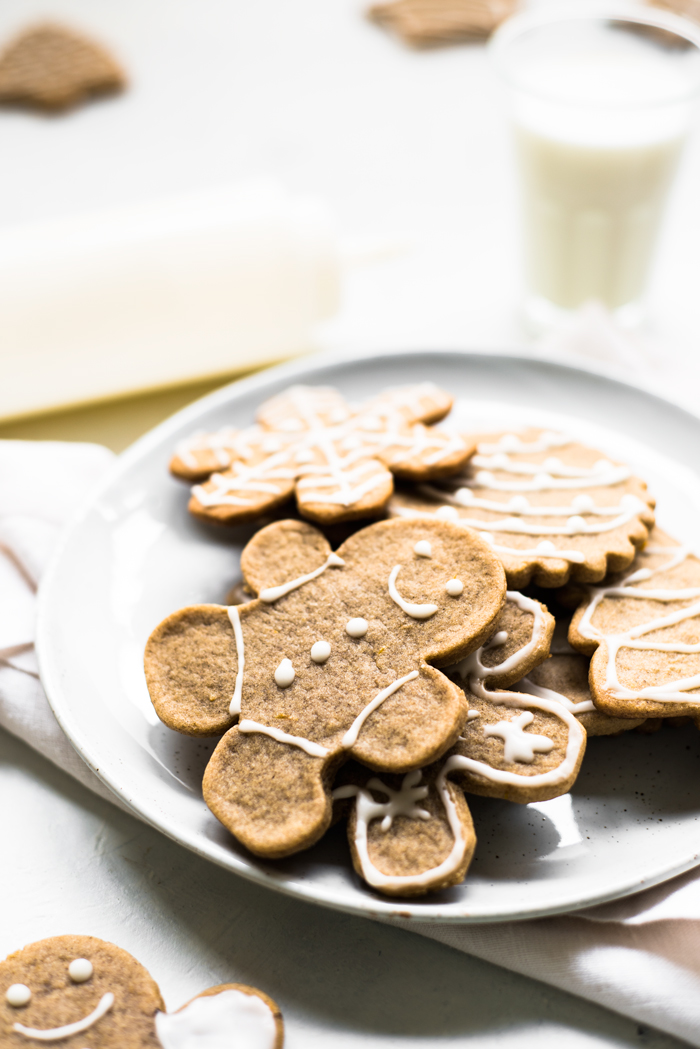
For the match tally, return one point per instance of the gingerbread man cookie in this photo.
(515, 746)
(552, 509)
(643, 632)
(77, 989)
(339, 461)
(337, 657)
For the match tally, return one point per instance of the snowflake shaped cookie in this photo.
(552, 509)
(339, 461)
(336, 658)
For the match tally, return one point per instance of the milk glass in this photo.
(601, 103)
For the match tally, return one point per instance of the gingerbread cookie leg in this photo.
(420, 839)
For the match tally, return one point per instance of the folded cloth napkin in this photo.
(639, 956)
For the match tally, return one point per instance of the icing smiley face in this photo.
(77, 986)
(377, 698)
(60, 996)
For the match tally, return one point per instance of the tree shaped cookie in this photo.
(552, 509)
(75, 990)
(643, 632)
(332, 660)
(339, 461)
(515, 746)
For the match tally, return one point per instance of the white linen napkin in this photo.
(639, 956)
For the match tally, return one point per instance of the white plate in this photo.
(134, 555)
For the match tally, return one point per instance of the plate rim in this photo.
(385, 910)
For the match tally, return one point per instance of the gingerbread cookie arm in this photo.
(201, 454)
(217, 1013)
(408, 835)
(282, 552)
(191, 663)
(422, 403)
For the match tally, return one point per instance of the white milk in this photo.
(591, 216)
(600, 118)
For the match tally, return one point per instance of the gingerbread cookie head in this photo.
(552, 509)
(339, 461)
(515, 746)
(75, 990)
(335, 658)
(643, 632)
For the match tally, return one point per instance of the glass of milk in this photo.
(602, 100)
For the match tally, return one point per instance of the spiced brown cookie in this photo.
(642, 629)
(338, 461)
(409, 835)
(564, 679)
(78, 989)
(515, 746)
(552, 509)
(53, 68)
(336, 657)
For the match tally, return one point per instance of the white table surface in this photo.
(399, 143)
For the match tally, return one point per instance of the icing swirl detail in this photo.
(55, 1034)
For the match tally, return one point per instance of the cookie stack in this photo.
(383, 680)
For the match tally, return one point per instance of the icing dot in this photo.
(498, 638)
(631, 502)
(80, 970)
(543, 480)
(465, 495)
(18, 994)
(484, 477)
(576, 524)
(472, 715)
(518, 502)
(447, 513)
(551, 464)
(423, 548)
(545, 547)
(499, 461)
(509, 443)
(582, 503)
(320, 651)
(284, 675)
(454, 587)
(357, 627)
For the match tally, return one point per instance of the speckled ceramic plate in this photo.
(133, 555)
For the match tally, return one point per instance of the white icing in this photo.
(273, 593)
(284, 674)
(472, 667)
(423, 548)
(357, 627)
(350, 737)
(413, 610)
(402, 803)
(272, 476)
(472, 715)
(518, 744)
(511, 442)
(315, 750)
(55, 1034)
(223, 445)
(454, 587)
(584, 707)
(235, 620)
(230, 1019)
(80, 970)
(676, 690)
(18, 994)
(320, 651)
